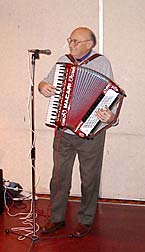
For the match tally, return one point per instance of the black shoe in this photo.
(51, 227)
(82, 230)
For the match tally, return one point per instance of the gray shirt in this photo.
(100, 64)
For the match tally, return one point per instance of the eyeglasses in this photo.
(75, 41)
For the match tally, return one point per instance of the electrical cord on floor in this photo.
(26, 220)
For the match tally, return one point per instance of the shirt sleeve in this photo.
(50, 76)
(108, 71)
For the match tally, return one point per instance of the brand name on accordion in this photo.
(66, 103)
(68, 95)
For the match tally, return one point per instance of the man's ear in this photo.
(90, 44)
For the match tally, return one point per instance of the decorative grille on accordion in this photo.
(80, 91)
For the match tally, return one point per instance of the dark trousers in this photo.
(90, 155)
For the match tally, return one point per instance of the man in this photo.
(66, 144)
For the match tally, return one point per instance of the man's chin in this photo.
(73, 54)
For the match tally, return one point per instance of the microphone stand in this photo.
(34, 237)
(35, 56)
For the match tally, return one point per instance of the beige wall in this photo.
(124, 162)
(46, 24)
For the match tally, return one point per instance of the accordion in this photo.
(80, 91)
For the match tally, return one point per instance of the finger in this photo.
(45, 93)
(100, 116)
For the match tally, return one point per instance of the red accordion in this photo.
(80, 91)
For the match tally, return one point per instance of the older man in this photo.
(66, 144)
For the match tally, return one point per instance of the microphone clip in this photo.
(35, 54)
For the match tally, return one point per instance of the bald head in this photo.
(87, 33)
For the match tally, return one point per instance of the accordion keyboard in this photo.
(54, 100)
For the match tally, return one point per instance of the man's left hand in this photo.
(105, 115)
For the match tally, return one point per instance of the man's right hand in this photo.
(46, 89)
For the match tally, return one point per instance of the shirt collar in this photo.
(84, 57)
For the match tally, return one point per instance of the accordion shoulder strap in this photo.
(94, 56)
(72, 59)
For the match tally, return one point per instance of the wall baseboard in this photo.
(101, 200)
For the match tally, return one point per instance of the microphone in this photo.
(45, 51)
